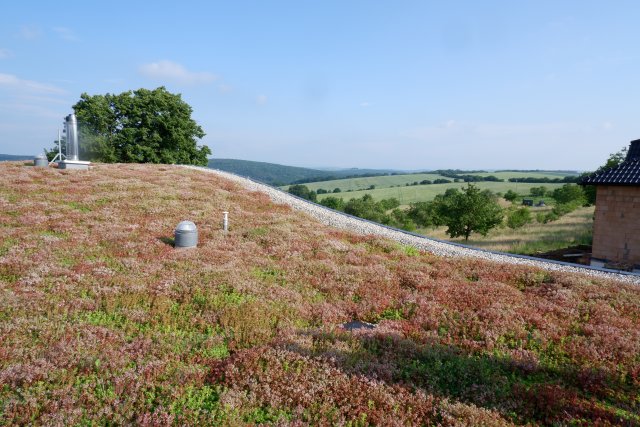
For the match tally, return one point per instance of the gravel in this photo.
(347, 222)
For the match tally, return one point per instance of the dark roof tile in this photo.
(626, 173)
(634, 150)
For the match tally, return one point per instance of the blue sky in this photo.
(407, 85)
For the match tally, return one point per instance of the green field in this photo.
(355, 184)
(506, 175)
(396, 185)
(423, 193)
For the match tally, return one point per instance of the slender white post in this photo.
(59, 157)
(225, 221)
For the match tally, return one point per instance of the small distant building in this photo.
(616, 227)
(527, 202)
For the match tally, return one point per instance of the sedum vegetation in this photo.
(102, 321)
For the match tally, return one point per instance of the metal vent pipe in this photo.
(186, 235)
(41, 161)
(71, 127)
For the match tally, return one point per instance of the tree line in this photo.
(546, 180)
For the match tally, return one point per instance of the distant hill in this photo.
(14, 157)
(275, 174)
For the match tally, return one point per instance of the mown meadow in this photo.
(572, 229)
(420, 193)
(102, 321)
(404, 188)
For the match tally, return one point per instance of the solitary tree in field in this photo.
(143, 126)
(469, 211)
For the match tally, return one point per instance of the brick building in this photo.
(616, 227)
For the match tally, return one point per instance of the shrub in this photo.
(518, 218)
(302, 191)
(399, 218)
(538, 191)
(365, 207)
(423, 214)
(391, 203)
(510, 196)
(551, 216)
(333, 203)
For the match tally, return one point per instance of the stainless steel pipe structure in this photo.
(71, 127)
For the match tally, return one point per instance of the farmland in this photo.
(420, 193)
(403, 188)
(354, 184)
(524, 174)
(103, 322)
(534, 237)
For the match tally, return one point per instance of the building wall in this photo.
(616, 229)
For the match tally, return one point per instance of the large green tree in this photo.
(142, 126)
(569, 193)
(614, 160)
(468, 211)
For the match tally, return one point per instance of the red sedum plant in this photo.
(102, 321)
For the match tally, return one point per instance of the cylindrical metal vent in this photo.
(40, 161)
(71, 127)
(186, 235)
(225, 221)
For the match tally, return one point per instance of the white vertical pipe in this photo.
(72, 137)
(225, 221)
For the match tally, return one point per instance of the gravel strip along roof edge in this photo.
(351, 223)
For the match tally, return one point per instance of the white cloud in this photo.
(5, 53)
(10, 81)
(172, 71)
(365, 104)
(262, 99)
(30, 32)
(65, 33)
